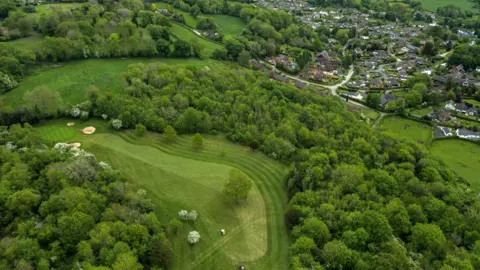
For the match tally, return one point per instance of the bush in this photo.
(140, 130)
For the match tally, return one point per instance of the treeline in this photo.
(62, 209)
(358, 198)
(466, 55)
(13, 65)
(266, 29)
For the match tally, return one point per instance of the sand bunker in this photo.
(75, 145)
(88, 130)
(70, 124)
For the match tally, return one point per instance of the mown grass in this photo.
(229, 25)
(422, 112)
(406, 128)
(432, 5)
(176, 177)
(463, 157)
(70, 79)
(187, 35)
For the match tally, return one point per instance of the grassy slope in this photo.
(178, 177)
(229, 25)
(74, 77)
(463, 157)
(188, 35)
(415, 130)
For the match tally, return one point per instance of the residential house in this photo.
(441, 116)
(464, 108)
(391, 82)
(377, 83)
(386, 98)
(468, 134)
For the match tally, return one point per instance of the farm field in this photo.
(187, 35)
(432, 5)
(70, 79)
(406, 128)
(177, 177)
(229, 25)
(463, 157)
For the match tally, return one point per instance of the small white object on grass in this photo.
(222, 231)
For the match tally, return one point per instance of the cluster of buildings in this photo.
(327, 67)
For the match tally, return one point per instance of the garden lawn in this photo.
(187, 35)
(463, 157)
(178, 177)
(229, 25)
(70, 79)
(406, 128)
(422, 112)
(473, 102)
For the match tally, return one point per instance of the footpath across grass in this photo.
(463, 157)
(177, 177)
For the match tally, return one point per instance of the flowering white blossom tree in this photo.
(183, 214)
(62, 147)
(192, 215)
(117, 123)
(193, 237)
(105, 166)
(75, 112)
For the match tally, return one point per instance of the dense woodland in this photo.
(63, 209)
(357, 198)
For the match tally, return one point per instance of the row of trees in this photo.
(63, 209)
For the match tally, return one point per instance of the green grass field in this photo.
(463, 157)
(415, 130)
(432, 5)
(229, 25)
(72, 78)
(177, 177)
(187, 35)
(189, 19)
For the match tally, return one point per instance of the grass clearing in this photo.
(463, 157)
(189, 19)
(187, 35)
(70, 79)
(177, 177)
(406, 128)
(229, 25)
